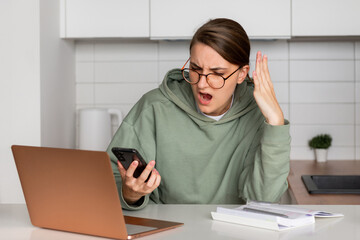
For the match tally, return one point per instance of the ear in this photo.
(243, 73)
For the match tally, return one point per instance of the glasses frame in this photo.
(206, 76)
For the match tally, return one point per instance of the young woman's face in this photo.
(205, 60)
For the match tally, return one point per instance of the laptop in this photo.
(75, 191)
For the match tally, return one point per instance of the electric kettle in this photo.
(95, 128)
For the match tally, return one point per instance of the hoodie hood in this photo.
(177, 90)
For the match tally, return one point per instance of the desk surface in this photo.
(15, 225)
(299, 192)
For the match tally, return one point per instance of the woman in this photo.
(216, 138)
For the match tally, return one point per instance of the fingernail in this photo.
(135, 163)
(152, 163)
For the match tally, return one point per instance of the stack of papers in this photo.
(270, 216)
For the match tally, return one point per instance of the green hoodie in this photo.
(200, 160)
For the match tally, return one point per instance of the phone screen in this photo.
(126, 156)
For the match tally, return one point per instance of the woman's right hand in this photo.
(135, 188)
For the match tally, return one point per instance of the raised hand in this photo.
(264, 92)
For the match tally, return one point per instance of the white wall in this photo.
(36, 71)
(57, 69)
(20, 87)
(317, 83)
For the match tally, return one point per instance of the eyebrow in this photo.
(212, 69)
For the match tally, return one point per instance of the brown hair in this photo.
(226, 37)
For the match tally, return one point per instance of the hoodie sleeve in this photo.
(125, 137)
(267, 164)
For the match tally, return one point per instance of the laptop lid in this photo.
(74, 190)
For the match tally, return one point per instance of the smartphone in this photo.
(126, 156)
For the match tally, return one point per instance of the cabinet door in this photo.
(105, 18)
(325, 17)
(179, 19)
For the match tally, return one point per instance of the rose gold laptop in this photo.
(75, 191)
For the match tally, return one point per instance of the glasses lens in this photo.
(190, 76)
(215, 81)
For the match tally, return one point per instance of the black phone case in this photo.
(126, 156)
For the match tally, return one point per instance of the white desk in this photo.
(15, 225)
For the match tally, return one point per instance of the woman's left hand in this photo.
(264, 92)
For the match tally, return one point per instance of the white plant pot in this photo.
(321, 155)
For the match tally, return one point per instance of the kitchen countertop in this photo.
(298, 191)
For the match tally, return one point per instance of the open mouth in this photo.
(205, 98)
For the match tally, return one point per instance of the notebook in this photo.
(270, 215)
(75, 191)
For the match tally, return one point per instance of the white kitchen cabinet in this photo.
(104, 18)
(263, 19)
(325, 18)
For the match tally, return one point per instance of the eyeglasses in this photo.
(214, 80)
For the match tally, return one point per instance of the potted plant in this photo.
(320, 144)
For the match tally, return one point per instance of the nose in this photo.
(202, 82)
